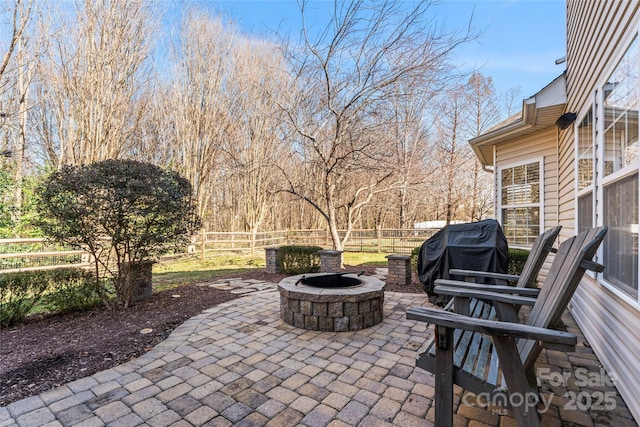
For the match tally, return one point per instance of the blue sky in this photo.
(521, 38)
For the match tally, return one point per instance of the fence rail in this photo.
(40, 254)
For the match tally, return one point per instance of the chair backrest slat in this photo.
(537, 256)
(560, 284)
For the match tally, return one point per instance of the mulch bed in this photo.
(49, 351)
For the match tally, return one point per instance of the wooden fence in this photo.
(401, 241)
(39, 254)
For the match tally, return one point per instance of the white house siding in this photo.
(566, 186)
(610, 324)
(607, 323)
(538, 145)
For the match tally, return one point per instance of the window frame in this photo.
(600, 181)
(592, 187)
(541, 195)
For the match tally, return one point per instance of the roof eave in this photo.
(538, 112)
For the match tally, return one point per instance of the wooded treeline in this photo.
(362, 122)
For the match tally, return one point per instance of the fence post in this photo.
(379, 236)
(253, 241)
(203, 241)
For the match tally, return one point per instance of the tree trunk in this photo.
(333, 230)
(23, 94)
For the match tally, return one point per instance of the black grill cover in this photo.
(472, 246)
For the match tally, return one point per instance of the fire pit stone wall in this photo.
(331, 309)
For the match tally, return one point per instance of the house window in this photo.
(520, 202)
(621, 243)
(620, 173)
(585, 171)
(607, 149)
(621, 114)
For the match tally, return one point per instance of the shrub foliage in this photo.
(299, 259)
(62, 290)
(517, 259)
(71, 289)
(19, 293)
(123, 212)
(415, 254)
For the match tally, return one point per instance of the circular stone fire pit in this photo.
(331, 302)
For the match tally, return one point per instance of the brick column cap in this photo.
(398, 256)
(329, 252)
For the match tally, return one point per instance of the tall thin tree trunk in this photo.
(23, 94)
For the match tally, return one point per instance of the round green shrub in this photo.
(517, 259)
(299, 259)
(144, 210)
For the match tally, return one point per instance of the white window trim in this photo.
(591, 188)
(618, 292)
(500, 206)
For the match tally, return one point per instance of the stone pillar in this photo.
(330, 261)
(272, 261)
(140, 280)
(399, 270)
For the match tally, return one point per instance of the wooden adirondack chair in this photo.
(542, 245)
(485, 356)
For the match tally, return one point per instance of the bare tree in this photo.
(406, 136)
(452, 151)
(255, 147)
(510, 101)
(411, 151)
(200, 103)
(484, 110)
(343, 77)
(18, 14)
(16, 74)
(155, 137)
(95, 71)
(467, 110)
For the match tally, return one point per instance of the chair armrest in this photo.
(485, 274)
(532, 292)
(491, 327)
(485, 295)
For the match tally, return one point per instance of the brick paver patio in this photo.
(239, 364)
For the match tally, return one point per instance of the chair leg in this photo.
(444, 376)
(522, 397)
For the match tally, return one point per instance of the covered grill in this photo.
(471, 246)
